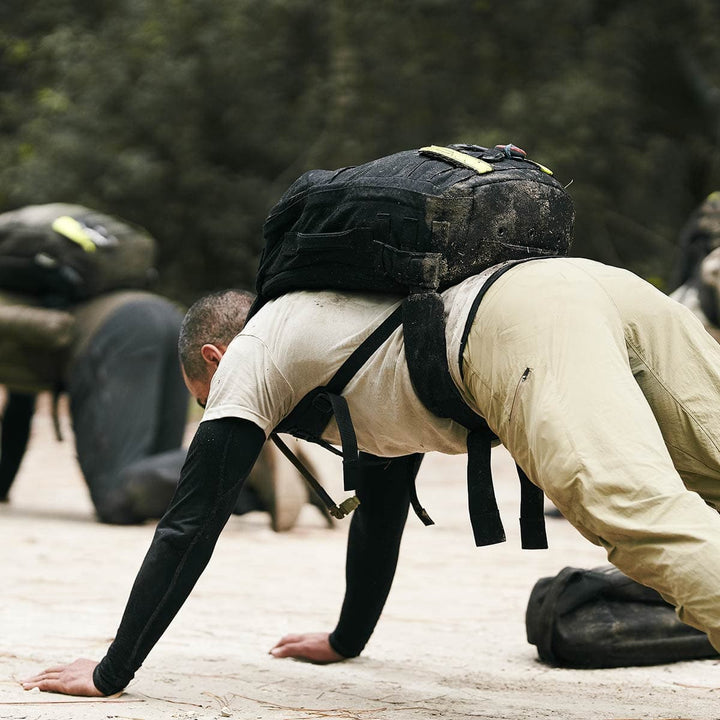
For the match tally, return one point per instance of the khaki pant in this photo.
(607, 394)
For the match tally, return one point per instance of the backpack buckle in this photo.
(512, 151)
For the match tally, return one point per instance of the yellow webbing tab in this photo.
(73, 230)
(546, 170)
(458, 158)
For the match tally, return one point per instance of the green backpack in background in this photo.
(53, 258)
(63, 254)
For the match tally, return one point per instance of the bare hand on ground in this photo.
(314, 647)
(73, 679)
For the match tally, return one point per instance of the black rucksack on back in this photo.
(63, 253)
(601, 618)
(414, 223)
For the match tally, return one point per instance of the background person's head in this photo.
(207, 329)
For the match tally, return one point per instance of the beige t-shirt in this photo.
(297, 342)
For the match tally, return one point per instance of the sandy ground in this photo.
(451, 642)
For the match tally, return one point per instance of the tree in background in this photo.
(190, 117)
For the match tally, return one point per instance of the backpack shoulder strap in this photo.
(310, 416)
(426, 353)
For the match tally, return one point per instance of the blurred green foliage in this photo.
(190, 117)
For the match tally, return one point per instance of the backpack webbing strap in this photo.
(532, 518)
(418, 509)
(337, 511)
(311, 415)
(478, 299)
(457, 158)
(309, 418)
(351, 458)
(348, 440)
(482, 505)
(426, 354)
(337, 384)
(364, 351)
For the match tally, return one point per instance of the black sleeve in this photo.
(16, 421)
(373, 548)
(219, 459)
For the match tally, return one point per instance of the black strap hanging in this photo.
(337, 511)
(532, 516)
(311, 415)
(482, 505)
(426, 353)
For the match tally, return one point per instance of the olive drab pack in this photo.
(53, 257)
(63, 254)
(412, 224)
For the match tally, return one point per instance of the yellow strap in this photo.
(546, 170)
(73, 230)
(459, 158)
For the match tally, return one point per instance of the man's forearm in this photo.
(218, 461)
(373, 549)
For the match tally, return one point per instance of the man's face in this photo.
(199, 388)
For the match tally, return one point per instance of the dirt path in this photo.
(451, 642)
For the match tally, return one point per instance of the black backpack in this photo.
(63, 254)
(413, 224)
(416, 221)
(601, 618)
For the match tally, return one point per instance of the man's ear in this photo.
(212, 354)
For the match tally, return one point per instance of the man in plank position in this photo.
(605, 391)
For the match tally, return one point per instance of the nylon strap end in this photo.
(424, 517)
(532, 534)
(344, 508)
(487, 528)
(457, 158)
(337, 511)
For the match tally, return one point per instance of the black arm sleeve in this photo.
(373, 548)
(17, 417)
(219, 459)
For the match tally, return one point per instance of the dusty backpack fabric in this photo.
(419, 220)
(413, 224)
(63, 254)
(601, 618)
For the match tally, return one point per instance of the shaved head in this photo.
(215, 319)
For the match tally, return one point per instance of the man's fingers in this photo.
(42, 678)
(48, 672)
(72, 679)
(288, 649)
(45, 675)
(285, 639)
(46, 685)
(313, 647)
